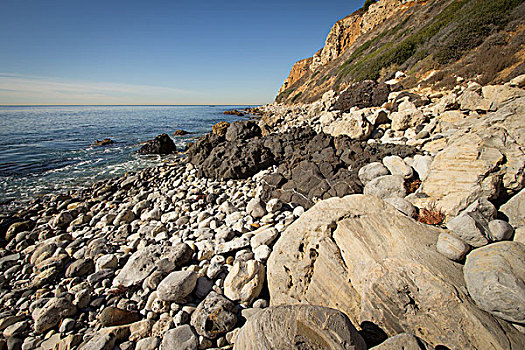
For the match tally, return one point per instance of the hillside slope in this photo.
(433, 41)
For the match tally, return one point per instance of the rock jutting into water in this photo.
(162, 144)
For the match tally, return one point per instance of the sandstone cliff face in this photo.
(417, 37)
(298, 70)
(344, 33)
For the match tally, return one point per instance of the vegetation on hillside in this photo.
(473, 38)
(463, 25)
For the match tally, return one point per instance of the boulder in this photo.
(180, 338)
(142, 263)
(80, 268)
(397, 166)
(299, 327)
(214, 316)
(264, 236)
(495, 278)
(180, 132)
(162, 144)
(359, 255)
(244, 281)
(256, 208)
(407, 116)
(487, 156)
(242, 130)
(518, 81)
(50, 315)
(177, 286)
(386, 186)
(514, 209)
(363, 94)
(234, 112)
(233, 160)
(124, 217)
(471, 228)
(499, 230)
(372, 171)
(18, 227)
(355, 125)
(473, 101)
(378, 117)
(63, 219)
(148, 343)
(421, 165)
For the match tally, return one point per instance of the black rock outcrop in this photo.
(363, 94)
(311, 166)
(162, 144)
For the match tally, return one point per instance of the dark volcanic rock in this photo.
(236, 160)
(162, 144)
(363, 94)
(242, 130)
(310, 166)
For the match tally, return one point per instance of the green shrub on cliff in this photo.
(461, 26)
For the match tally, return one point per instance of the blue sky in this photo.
(156, 52)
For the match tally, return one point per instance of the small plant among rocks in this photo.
(431, 216)
(412, 186)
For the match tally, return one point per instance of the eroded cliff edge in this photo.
(433, 41)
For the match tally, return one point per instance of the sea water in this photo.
(50, 149)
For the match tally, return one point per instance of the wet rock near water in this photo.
(180, 132)
(162, 144)
(104, 142)
(234, 112)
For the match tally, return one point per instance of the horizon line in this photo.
(122, 105)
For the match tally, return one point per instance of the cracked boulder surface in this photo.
(305, 327)
(357, 254)
(485, 157)
(310, 166)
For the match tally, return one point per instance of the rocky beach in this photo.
(381, 214)
(268, 231)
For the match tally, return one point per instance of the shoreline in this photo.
(81, 161)
(285, 208)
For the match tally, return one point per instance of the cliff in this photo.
(433, 41)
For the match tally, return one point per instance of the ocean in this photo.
(49, 149)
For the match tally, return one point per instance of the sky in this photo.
(156, 52)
